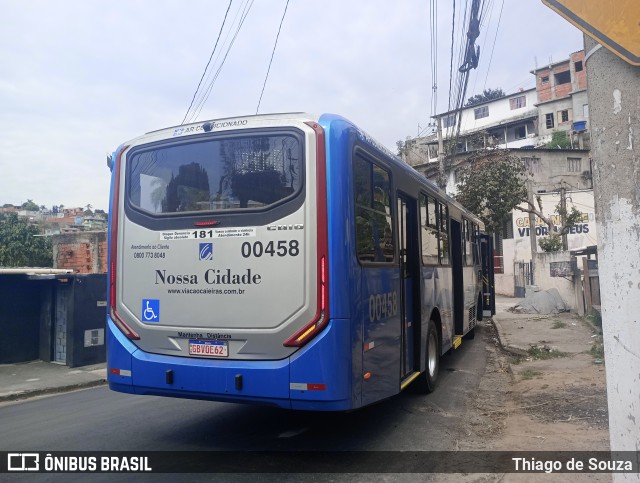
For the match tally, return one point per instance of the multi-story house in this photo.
(562, 97)
(523, 122)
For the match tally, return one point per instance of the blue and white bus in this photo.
(285, 260)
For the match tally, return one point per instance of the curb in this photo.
(18, 396)
(514, 350)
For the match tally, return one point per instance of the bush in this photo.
(552, 243)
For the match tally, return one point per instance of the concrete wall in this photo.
(545, 281)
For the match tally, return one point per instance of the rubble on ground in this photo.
(543, 302)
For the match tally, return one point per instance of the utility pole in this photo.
(612, 63)
(532, 232)
(614, 114)
(563, 216)
(441, 176)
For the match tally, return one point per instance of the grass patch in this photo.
(597, 351)
(545, 352)
(530, 374)
(595, 318)
(558, 324)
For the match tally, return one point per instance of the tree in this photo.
(19, 245)
(494, 183)
(487, 95)
(29, 205)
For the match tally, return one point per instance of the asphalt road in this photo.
(101, 420)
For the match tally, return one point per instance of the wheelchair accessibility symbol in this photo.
(150, 310)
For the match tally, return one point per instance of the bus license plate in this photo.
(210, 348)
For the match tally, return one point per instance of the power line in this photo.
(272, 53)
(494, 45)
(453, 29)
(433, 16)
(243, 15)
(243, 12)
(209, 62)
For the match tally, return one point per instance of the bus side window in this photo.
(429, 230)
(468, 242)
(373, 215)
(443, 231)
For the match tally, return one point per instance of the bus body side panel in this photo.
(119, 361)
(379, 313)
(444, 302)
(344, 270)
(324, 368)
(436, 296)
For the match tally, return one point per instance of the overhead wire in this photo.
(493, 47)
(212, 76)
(433, 17)
(272, 53)
(209, 62)
(243, 17)
(453, 29)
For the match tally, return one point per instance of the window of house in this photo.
(507, 228)
(578, 66)
(480, 112)
(544, 79)
(549, 120)
(520, 132)
(574, 165)
(532, 164)
(563, 77)
(563, 116)
(449, 120)
(518, 102)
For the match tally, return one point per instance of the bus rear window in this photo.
(239, 173)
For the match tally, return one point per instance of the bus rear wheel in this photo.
(429, 378)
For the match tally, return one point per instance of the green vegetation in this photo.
(20, 246)
(595, 318)
(551, 243)
(492, 185)
(485, 96)
(559, 140)
(530, 374)
(545, 352)
(558, 324)
(597, 350)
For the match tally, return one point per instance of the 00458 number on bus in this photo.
(383, 305)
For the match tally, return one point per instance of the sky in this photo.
(79, 78)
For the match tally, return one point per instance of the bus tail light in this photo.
(113, 252)
(321, 318)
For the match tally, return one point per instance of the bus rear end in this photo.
(218, 266)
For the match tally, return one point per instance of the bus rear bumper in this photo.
(308, 380)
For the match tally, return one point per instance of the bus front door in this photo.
(409, 286)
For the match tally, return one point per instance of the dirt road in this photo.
(549, 396)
